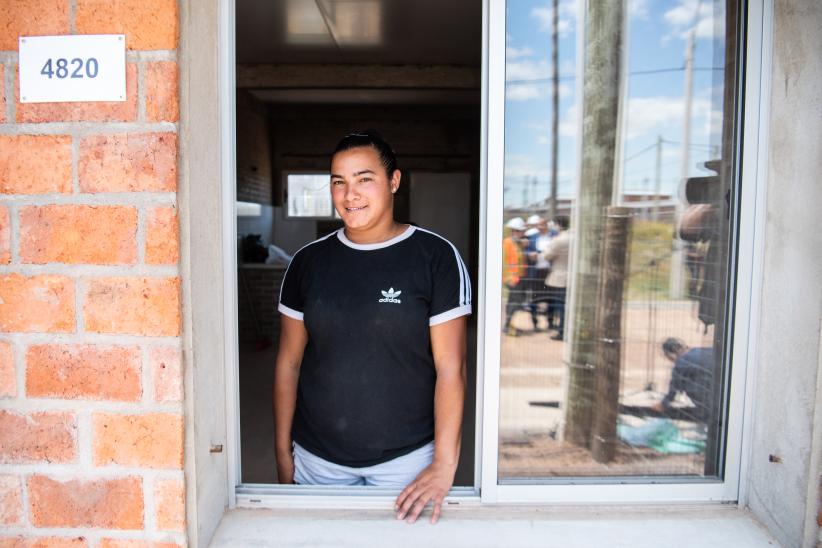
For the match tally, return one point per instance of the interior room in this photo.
(309, 72)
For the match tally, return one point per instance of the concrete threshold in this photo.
(701, 526)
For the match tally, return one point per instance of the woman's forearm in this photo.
(286, 377)
(293, 338)
(449, 398)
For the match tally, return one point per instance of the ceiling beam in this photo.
(357, 76)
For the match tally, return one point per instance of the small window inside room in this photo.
(309, 72)
(307, 195)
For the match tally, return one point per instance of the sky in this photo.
(657, 40)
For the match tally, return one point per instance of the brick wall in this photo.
(259, 293)
(254, 176)
(91, 416)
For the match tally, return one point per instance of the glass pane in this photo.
(616, 238)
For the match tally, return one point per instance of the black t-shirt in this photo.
(366, 388)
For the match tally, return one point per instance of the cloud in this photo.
(684, 17)
(538, 126)
(530, 79)
(524, 92)
(527, 92)
(569, 124)
(567, 17)
(713, 125)
(519, 166)
(660, 114)
(520, 73)
(638, 9)
(527, 70)
(515, 53)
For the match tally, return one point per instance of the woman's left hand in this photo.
(432, 484)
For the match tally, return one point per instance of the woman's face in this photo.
(361, 191)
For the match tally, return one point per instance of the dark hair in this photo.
(673, 346)
(563, 222)
(370, 138)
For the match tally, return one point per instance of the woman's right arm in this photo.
(293, 338)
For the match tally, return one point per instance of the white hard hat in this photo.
(534, 220)
(516, 224)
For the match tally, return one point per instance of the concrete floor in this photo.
(509, 527)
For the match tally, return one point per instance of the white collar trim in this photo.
(379, 245)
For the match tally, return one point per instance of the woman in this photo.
(370, 375)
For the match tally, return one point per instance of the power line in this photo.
(643, 151)
(665, 141)
(633, 73)
(540, 80)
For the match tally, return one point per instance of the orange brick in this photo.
(162, 103)
(129, 543)
(83, 372)
(126, 163)
(153, 440)
(147, 24)
(43, 542)
(11, 500)
(78, 234)
(109, 503)
(2, 95)
(35, 437)
(35, 164)
(82, 111)
(5, 236)
(161, 236)
(138, 306)
(36, 304)
(8, 378)
(32, 18)
(169, 501)
(167, 372)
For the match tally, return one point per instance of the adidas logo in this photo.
(390, 296)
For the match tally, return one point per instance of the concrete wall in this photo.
(787, 399)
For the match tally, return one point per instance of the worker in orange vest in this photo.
(513, 272)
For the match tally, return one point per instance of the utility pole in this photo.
(552, 211)
(657, 179)
(525, 193)
(600, 105)
(677, 257)
(609, 333)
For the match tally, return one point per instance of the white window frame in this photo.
(486, 488)
(751, 215)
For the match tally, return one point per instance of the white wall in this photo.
(785, 495)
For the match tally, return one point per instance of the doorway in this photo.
(309, 72)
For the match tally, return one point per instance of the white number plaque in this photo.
(57, 69)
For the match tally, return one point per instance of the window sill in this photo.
(697, 525)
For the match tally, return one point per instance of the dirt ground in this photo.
(532, 393)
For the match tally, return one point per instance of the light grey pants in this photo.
(309, 469)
